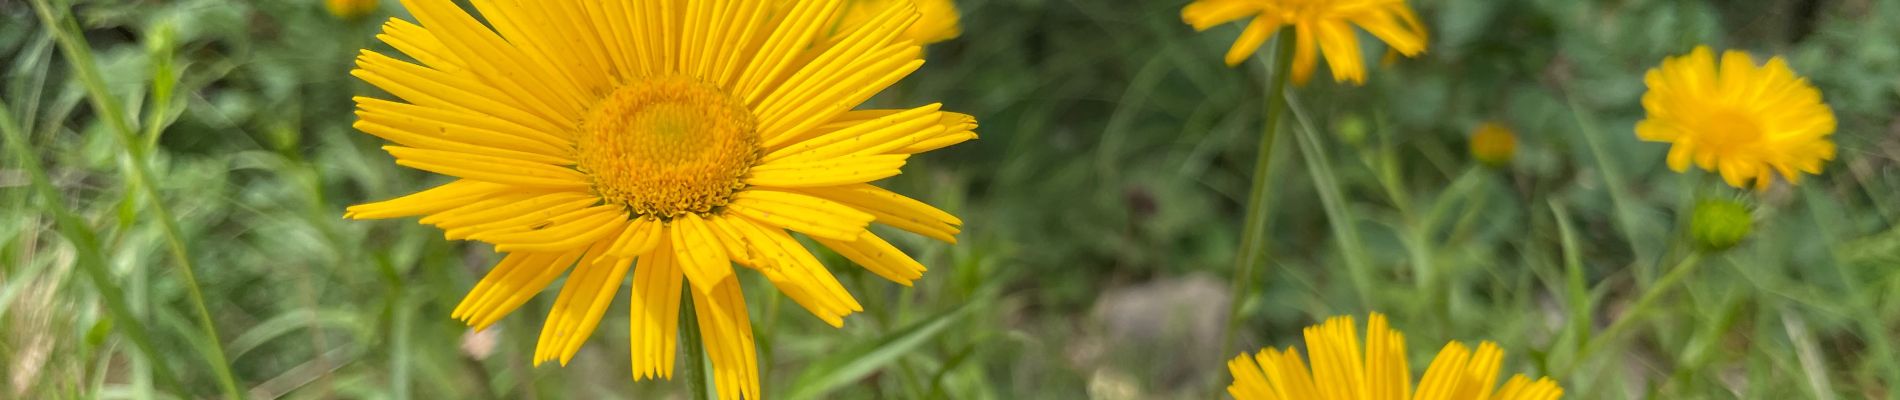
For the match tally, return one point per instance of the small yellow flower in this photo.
(1341, 370)
(351, 9)
(1493, 144)
(1737, 118)
(937, 20)
(1318, 26)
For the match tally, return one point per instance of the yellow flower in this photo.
(1742, 120)
(1340, 371)
(351, 9)
(1326, 24)
(1493, 144)
(937, 19)
(679, 135)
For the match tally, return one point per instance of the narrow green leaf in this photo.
(1344, 225)
(852, 364)
(1575, 290)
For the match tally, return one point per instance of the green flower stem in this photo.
(1643, 304)
(693, 352)
(1253, 231)
(89, 257)
(66, 31)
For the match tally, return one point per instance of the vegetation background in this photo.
(1102, 207)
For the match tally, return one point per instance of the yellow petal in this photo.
(841, 77)
(799, 212)
(798, 274)
(826, 172)
(879, 257)
(1443, 377)
(413, 40)
(1250, 39)
(852, 134)
(700, 254)
(894, 209)
(424, 202)
(654, 313)
(570, 231)
(1249, 382)
(727, 330)
(495, 60)
(489, 169)
(583, 300)
(508, 292)
(641, 237)
(792, 36)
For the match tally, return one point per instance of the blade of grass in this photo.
(1344, 225)
(1575, 289)
(1619, 193)
(288, 322)
(136, 161)
(856, 362)
(401, 348)
(90, 257)
(1828, 215)
(1806, 350)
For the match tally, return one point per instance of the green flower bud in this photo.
(1720, 224)
(1352, 129)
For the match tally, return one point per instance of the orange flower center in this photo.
(1726, 129)
(666, 146)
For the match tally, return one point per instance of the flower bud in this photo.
(351, 9)
(1493, 144)
(1720, 224)
(1352, 129)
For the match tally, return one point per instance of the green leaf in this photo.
(855, 363)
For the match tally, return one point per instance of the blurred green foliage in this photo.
(1115, 153)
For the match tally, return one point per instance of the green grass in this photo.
(175, 173)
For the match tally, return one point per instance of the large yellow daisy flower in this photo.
(1340, 371)
(1737, 118)
(1326, 24)
(686, 135)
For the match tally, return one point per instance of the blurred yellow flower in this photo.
(1318, 26)
(1493, 144)
(351, 9)
(937, 20)
(589, 135)
(1742, 120)
(1340, 371)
